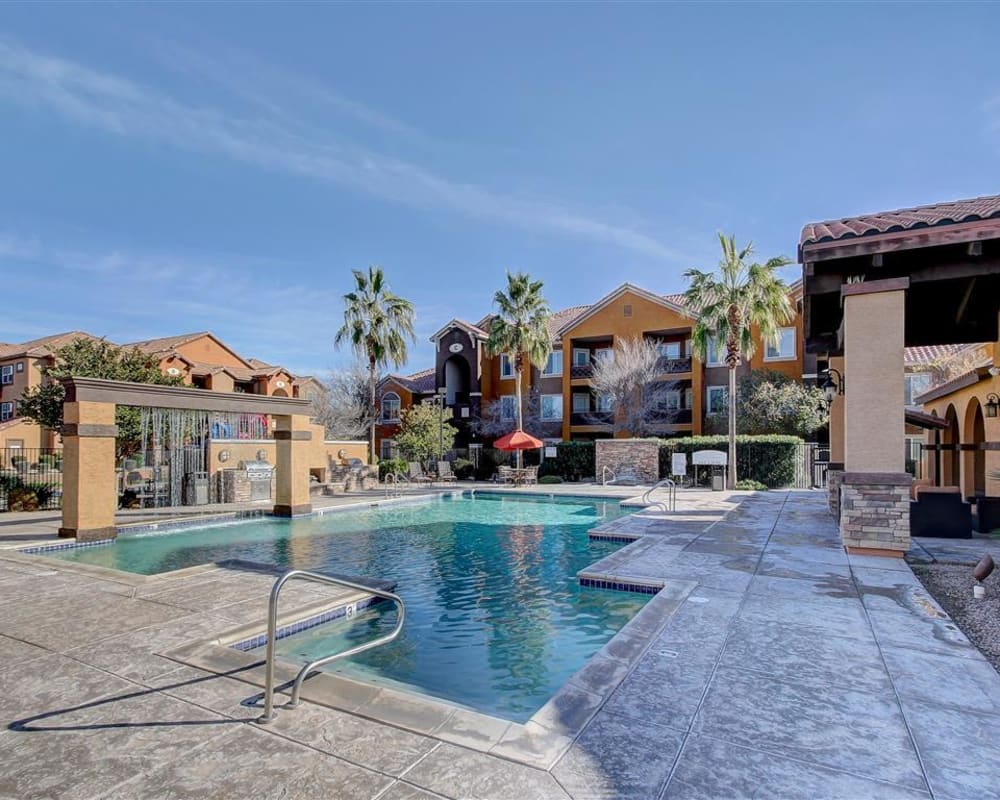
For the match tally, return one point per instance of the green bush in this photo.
(42, 491)
(487, 465)
(749, 485)
(50, 460)
(574, 461)
(769, 460)
(393, 465)
(463, 469)
(549, 479)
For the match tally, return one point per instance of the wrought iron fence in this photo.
(31, 479)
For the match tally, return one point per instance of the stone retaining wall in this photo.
(641, 456)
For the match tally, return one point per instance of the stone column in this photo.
(292, 437)
(90, 495)
(875, 511)
(836, 468)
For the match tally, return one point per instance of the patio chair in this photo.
(504, 475)
(529, 475)
(444, 472)
(941, 512)
(416, 473)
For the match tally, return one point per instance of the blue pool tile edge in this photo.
(42, 549)
(621, 586)
(340, 612)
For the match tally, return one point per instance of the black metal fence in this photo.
(31, 479)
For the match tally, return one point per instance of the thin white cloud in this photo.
(122, 107)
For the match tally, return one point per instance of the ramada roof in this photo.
(903, 219)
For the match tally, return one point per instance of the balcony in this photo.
(591, 418)
(677, 416)
(673, 365)
(581, 371)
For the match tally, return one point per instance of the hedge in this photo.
(767, 459)
(574, 461)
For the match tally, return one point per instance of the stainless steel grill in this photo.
(259, 474)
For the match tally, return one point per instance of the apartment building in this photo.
(199, 359)
(471, 383)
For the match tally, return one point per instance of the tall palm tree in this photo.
(521, 328)
(729, 304)
(377, 324)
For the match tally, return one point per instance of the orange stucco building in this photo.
(472, 383)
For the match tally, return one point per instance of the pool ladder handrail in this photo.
(272, 626)
(671, 504)
(604, 475)
(396, 478)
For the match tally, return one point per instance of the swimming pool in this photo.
(496, 618)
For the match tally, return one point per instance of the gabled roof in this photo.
(45, 345)
(422, 382)
(468, 327)
(903, 219)
(166, 344)
(661, 300)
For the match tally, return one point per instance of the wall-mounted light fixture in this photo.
(992, 404)
(831, 388)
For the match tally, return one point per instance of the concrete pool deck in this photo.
(786, 669)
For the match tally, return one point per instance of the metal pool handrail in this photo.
(671, 504)
(272, 625)
(604, 475)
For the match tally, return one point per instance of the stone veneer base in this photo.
(875, 511)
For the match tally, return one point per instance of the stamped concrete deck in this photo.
(783, 669)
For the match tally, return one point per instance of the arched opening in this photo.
(456, 380)
(974, 460)
(950, 463)
(280, 393)
(390, 407)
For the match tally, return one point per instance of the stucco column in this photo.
(292, 436)
(835, 471)
(90, 496)
(875, 486)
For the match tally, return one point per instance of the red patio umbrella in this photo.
(518, 440)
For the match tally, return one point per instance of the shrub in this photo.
(487, 465)
(749, 485)
(22, 499)
(50, 460)
(394, 465)
(463, 469)
(549, 479)
(573, 461)
(769, 460)
(18, 461)
(44, 492)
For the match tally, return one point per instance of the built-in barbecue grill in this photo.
(259, 474)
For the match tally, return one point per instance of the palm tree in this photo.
(377, 324)
(729, 304)
(521, 328)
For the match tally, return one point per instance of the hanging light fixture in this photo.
(992, 404)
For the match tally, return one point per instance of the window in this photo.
(554, 365)
(915, 384)
(552, 406)
(581, 403)
(581, 356)
(604, 354)
(628, 309)
(20, 366)
(605, 403)
(669, 349)
(668, 401)
(785, 348)
(716, 400)
(506, 366)
(390, 407)
(716, 353)
(6, 411)
(7, 374)
(388, 448)
(508, 407)
(689, 398)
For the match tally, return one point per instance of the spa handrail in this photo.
(604, 475)
(666, 483)
(272, 626)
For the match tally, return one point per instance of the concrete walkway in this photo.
(789, 670)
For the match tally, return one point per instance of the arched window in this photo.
(390, 407)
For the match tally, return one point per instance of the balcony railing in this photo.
(677, 416)
(581, 371)
(591, 418)
(673, 365)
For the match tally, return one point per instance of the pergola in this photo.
(89, 430)
(873, 285)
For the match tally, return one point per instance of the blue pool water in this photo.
(496, 619)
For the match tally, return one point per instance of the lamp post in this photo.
(439, 399)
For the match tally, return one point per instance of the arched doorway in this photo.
(974, 461)
(456, 380)
(950, 462)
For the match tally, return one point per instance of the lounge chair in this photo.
(416, 474)
(444, 472)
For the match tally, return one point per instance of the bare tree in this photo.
(344, 405)
(492, 423)
(642, 404)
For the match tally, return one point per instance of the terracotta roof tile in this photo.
(165, 343)
(902, 219)
(916, 356)
(44, 345)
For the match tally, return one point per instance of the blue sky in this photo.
(177, 167)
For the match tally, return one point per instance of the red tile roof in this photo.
(916, 356)
(45, 345)
(902, 219)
